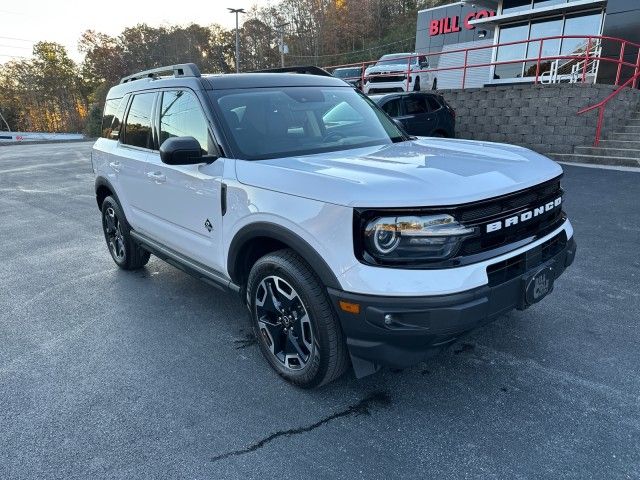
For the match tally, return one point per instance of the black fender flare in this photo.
(285, 236)
(104, 182)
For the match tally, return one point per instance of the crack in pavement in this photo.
(363, 407)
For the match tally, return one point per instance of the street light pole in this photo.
(237, 11)
(281, 33)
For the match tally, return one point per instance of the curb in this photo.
(595, 160)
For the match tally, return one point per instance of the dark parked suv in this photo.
(352, 75)
(421, 114)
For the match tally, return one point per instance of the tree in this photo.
(46, 92)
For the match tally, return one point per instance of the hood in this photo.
(423, 172)
(399, 68)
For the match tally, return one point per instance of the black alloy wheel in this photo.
(294, 322)
(113, 235)
(284, 323)
(124, 250)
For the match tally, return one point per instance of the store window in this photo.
(513, 6)
(547, 3)
(505, 53)
(584, 25)
(550, 48)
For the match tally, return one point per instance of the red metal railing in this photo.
(592, 53)
(601, 105)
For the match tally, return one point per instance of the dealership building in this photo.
(492, 38)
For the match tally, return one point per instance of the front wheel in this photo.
(293, 320)
(416, 85)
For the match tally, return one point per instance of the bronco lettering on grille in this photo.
(523, 217)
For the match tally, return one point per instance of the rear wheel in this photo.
(434, 85)
(297, 330)
(416, 86)
(127, 254)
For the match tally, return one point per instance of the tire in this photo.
(301, 315)
(416, 85)
(127, 254)
(434, 85)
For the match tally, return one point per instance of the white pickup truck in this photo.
(399, 72)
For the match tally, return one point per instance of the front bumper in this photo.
(419, 326)
(388, 87)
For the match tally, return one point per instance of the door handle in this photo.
(115, 166)
(157, 177)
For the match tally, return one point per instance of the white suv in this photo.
(399, 72)
(349, 241)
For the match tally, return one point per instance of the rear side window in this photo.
(392, 107)
(433, 103)
(181, 116)
(110, 110)
(415, 105)
(138, 124)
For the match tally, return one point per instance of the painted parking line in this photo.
(44, 165)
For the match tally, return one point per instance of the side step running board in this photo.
(192, 267)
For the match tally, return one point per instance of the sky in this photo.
(24, 22)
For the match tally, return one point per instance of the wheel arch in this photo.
(258, 239)
(104, 189)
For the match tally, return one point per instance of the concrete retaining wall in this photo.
(541, 117)
(17, 137)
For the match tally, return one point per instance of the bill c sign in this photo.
(453, 24)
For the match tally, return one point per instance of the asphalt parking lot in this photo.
(153, 374)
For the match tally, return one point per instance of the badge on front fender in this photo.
(539, 285)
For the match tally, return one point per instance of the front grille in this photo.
(531, 225)
(499, 209)
(511, 202)
(513, 267)
(380, 78)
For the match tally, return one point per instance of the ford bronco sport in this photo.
(350, 242)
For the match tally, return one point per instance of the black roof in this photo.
(264, 80)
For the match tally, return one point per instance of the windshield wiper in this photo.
(403, 138)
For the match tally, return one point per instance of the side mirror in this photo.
(181, 151)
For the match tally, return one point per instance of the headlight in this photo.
(419, 238)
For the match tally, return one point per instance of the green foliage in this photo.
(45, 92)
(94, 122)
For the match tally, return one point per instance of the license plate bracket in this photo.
(538, 285)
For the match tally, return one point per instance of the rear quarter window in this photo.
(110, 110)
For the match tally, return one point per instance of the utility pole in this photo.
(281, 35)
(237, 11)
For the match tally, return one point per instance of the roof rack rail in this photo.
(309, 70)
(180, 70)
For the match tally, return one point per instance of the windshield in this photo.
(286, 121)
(346, 72)
(400, 59)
